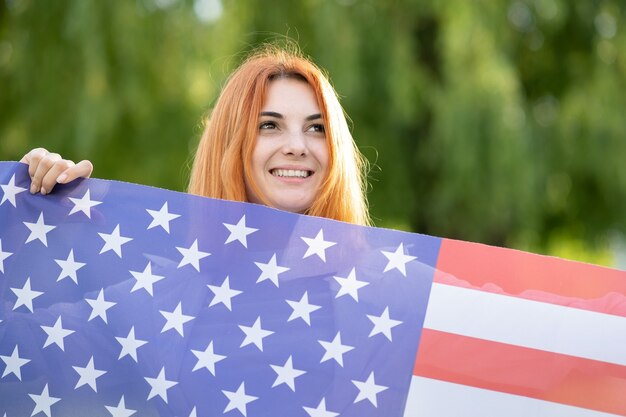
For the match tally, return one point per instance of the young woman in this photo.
(277, 136)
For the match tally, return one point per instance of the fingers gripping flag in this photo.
(123, 300)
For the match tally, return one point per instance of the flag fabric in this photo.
(508, 333)
(124, 300)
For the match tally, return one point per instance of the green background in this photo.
(493, 121)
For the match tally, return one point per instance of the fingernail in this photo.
(61, 178)
(43, 191)
(33, 188)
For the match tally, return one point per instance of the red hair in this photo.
(221, 167)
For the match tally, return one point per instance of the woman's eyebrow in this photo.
(272, 114)
(280, 116)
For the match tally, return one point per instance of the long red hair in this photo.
(221, 165)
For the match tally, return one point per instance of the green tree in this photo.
(495, 121)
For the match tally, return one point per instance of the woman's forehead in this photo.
(290, 95)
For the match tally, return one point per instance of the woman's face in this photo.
(290, 157)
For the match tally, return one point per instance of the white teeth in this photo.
(290, 173)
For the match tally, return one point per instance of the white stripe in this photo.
(433, 398)
(531, 324)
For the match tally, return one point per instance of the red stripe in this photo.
(521, 371)
(531, 276)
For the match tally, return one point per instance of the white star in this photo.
(383, 324)
(334, 349)
(368, 390)
(99, 307)
(317, 246)
(56, 334)
(207, 359)
(286, 374)
(320, 410)
(120, 410)
(84, 204)
(14, 364)
(3, 256)
(350, 285)
(69, 267)
(302, 309)
(145, 279)
(88, 375)
(270, 270)
(397, 259)
(25, 296)
(193, 413)
(255, 334)
(239, 232)
(223, 294)
(192, 256)
(39, 230)
(43, 402)
(238, 399)
(114, 241)
(162, 218)
(176, 319)
(10, 191)
(160, 385)
(130, 344)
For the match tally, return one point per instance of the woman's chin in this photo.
(297, 206)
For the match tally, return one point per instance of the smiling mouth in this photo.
(291, 173)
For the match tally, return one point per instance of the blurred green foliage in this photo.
(494, 121)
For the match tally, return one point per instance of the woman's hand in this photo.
(46, 169)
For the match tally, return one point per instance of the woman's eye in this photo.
(317, 128)
(267, 125)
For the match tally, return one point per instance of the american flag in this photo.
(124, 300)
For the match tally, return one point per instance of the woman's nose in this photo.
(295, 144)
